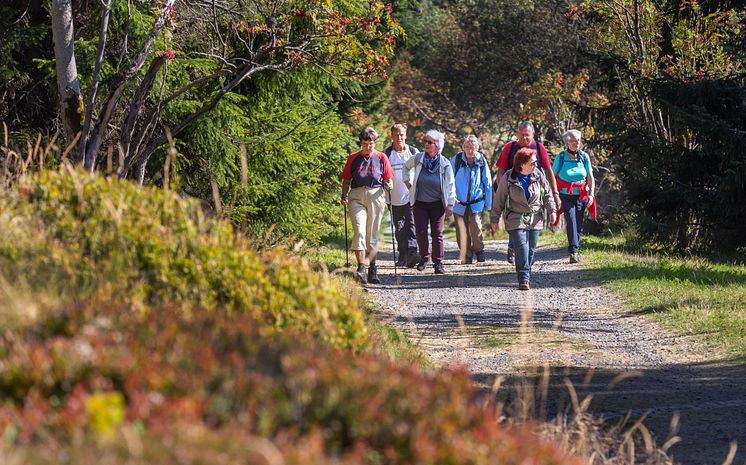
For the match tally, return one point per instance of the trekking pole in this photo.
(393, 236)
(347, 249)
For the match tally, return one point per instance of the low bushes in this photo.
(73, 234)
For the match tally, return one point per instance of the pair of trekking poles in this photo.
(393, 238)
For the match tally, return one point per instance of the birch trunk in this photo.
(71, 103)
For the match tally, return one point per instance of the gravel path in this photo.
(474, 315)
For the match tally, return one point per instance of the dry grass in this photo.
(574, 428)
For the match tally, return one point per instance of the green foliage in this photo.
(677, 119)
(687, 192)
(76, 235)
(24, 36)
(295, 146)
(496, 48)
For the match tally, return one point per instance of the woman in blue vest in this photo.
(473, 195)
(577, 188)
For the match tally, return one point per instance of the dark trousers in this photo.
(573, 209)
(406, 238)
(434, 215)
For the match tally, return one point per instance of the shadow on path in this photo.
(709, 400)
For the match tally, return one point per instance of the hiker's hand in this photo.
(344, 200)
(388, 185)
(494, 227)
(557, 199)
(591, 199)
(553, 218)
(408, 184)
(449, 210)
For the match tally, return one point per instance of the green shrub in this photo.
(74, 235)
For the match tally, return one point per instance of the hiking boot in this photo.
(480, 257)
(574, 258)
(421, 266)
(401, 262)
(373, 274)
(439, 268)
(413, 258)
(468, 261)
(361, 274)
(511, 256)
(524, 286)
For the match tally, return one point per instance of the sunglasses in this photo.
(428, 142)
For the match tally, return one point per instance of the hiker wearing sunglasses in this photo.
(365, 176)
(524, 200)
(432, 194)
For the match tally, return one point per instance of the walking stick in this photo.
(393, 236)
(347, 249)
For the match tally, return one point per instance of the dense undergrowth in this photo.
(135, 329)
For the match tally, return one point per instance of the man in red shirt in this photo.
(505, 162)
(365, 176)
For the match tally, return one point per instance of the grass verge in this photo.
(691, 295)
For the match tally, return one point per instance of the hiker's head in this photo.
(470, 145)
(572, 139)
(525, 133)
(398, 136)
(524, 161)
(434, 141)
(368, 138)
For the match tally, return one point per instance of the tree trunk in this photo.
(71, 103)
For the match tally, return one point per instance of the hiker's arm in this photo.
(406, 172)
(549, 171)
(345, 190)
(498, 202)
(591, 182)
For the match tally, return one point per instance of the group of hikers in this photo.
(423, 188)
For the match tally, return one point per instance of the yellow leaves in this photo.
(105, 411)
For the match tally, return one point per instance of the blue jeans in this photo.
(524, 242)
(573, 209)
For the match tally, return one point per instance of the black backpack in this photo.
(514, 148)
(460, 162)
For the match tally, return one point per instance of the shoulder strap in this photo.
(562, 162)
(511, 154)
(412, 150)
(459, 163)
(539, 158)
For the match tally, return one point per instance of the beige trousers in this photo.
(366, 205)
(469, 234)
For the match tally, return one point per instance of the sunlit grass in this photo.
(692, 295)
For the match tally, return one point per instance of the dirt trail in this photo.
(474, 315)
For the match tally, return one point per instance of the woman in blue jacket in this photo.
(473, 195)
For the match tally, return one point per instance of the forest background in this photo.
(264, 99)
